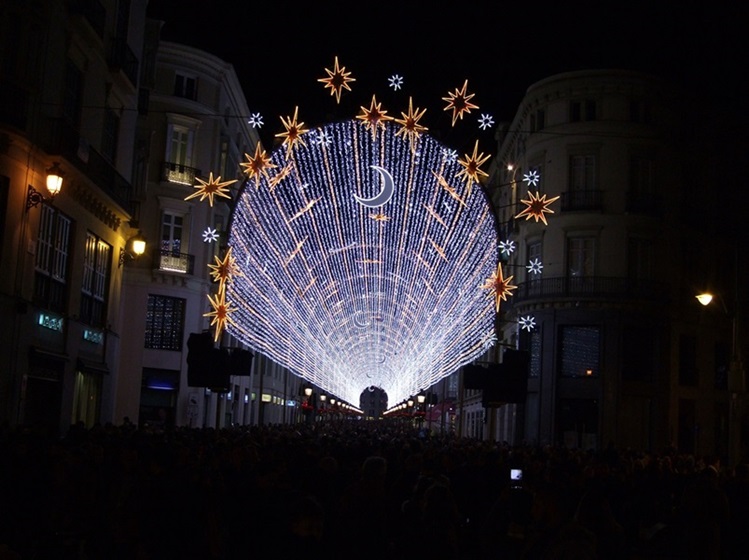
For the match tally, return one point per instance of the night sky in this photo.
(279, 51)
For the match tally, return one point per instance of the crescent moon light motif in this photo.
(359, 320)
(384, 195)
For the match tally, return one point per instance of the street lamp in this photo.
(54, 184)
(736, 383)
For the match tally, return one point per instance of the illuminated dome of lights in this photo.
(361, 260)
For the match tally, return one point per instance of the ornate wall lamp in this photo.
(54, 184)
(137, 247)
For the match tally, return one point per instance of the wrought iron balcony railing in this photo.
(169, 261)
(177, 173)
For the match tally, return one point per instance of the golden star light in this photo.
(499, 286)
(337, 79)
(374, 117)
(410, 127)
(448, 188)
(210, 188)
(472, 166)
(536, 207)
(459, 102)
(220, 314)
(224, 269)
(293, 133)
(258, 165)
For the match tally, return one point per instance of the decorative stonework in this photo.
(98, 208)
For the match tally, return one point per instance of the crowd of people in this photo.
(359, 490)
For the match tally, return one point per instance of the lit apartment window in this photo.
(185, 86)
(579, 351)
(165, 320)
(51, 266)
(95, 283)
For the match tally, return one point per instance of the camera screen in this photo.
(516, 474)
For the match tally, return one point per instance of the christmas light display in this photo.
(364, 257)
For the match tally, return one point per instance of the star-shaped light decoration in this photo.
(486, 121)
(278, 177)
(448, 187)
(531, 178)
(258, 165)
(471, 166)
(337, 80)
(220, 314)
(256, 120)
(395, 81)
(322, 138)
(459, 102)
(379, 217)
(410, 127)
(293, 133)
(210, 235)
(528, 323)
(211, 188)
(499, 287)
(537, 207)
(374, 117)
(535, 266)
(507, 247)
(224, 269)
(449, 154)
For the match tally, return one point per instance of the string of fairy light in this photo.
(363, 253)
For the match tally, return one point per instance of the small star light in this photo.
(374, 117)
(337, 79)
(535, 266)
(528, 323)
(537, 207)
(293, 133)
(459, 102)
(498, 286)
(210, 235)
(323, 138)
(507, 247)
(471, 165)
(486, 121)
(210, 188)
(256, 120)
(449, 154)
(531, 178)
(257, 166)
(220, 313)
(410, 127)
(224, 269)
(396, 82)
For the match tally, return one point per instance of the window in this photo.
(581, 256)
(180, 145)
(639, 259)
(72, 94)
(165, 320)
(110, 133)
(533, 251)
(51, 266)
(687, 360)
(95, 284)
(582, 172)
(583, 110)
(534, 342)
(171, 232)
(638, 354)
(579, 351)
(642, 175)
(186, 87)
(639, 111)
(538, 120)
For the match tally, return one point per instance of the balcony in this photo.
(590, 288)
(584, 200)
(121, 57)
(169, 261)
(180, 174)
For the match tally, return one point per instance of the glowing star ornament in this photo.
(224, 270)
(528, 323)
(374, 118)
(337, 80)
(210, 235)
(537, 207)
(459, 102)
(395, 81)
(472, 166)
(486, 121)
(220, 314)
(410, 127)
(531, 178)
(258, 166)
(499, 287)
(507, 247)
(211, 188)
(293, 133)
(256, 120)
(534, 266)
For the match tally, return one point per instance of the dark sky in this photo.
(279, 50)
